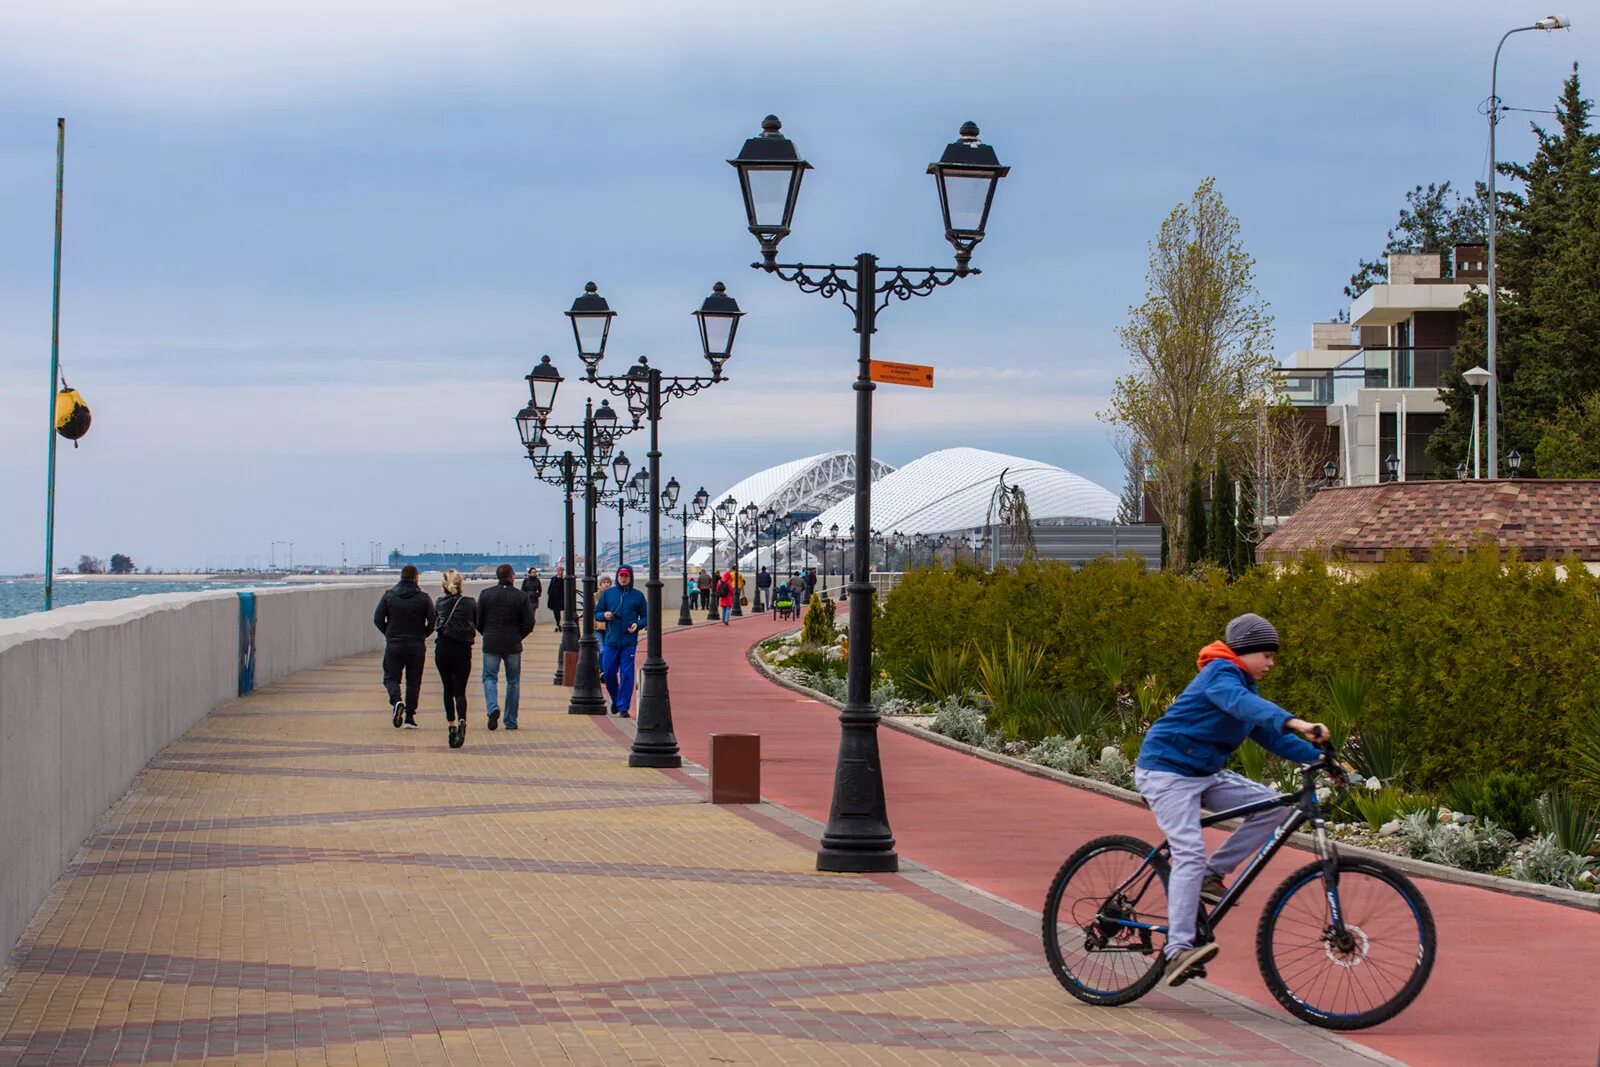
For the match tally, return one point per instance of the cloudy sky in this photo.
(312, 247)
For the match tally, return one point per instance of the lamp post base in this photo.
(587, 697)
(842, 861)
(655, 744)
(684, 618)
(858, 839)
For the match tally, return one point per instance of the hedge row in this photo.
(1475, 664)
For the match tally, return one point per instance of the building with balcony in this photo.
(1372, 383)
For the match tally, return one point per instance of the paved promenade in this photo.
(296, 882)
(1515, 980)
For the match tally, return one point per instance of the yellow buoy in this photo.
(72, 414)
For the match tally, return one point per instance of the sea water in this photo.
(20, 596)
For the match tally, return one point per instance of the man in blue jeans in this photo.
(1180, 771)
(505, 617)
(625, 612)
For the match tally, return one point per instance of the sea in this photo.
(22, 596)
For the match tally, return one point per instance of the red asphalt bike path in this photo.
(1514, 980)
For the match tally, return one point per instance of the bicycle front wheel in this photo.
(1358, 978)
(1100, 920)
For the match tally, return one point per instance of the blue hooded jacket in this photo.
(628, 608)
(1213, 716)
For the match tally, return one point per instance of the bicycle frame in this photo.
(1305, 810)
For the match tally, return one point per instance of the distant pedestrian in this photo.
(405, 617)
(708, 586)
(452, 652)
(534, 588)
(558, 593)
(725, 594)
(691, 591)
(811, 582)
(504, 619)
(623, 611)
(763, 588)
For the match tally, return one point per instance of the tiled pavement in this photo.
(296, 882)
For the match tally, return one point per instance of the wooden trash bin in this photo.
(735, 768)
(569, 669)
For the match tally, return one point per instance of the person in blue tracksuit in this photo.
(625, 612)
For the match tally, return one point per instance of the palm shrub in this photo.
(1253, 761)
(1076, 715)
(1346, 696)
(1006, 674)
(1113, 663)
(941, 672)
(1585, 749)
(1377, 806)
(1572, 818)
(1376, 754)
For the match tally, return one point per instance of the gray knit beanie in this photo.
(1250, 633)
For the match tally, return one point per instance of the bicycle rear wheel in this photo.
(1363, 978)
(1095, 956)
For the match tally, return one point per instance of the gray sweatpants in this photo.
(1176, 801)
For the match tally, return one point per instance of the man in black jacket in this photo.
(533, 588)
(558, 593)
(505, 617)
(405, 616)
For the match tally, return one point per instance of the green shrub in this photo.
(1346, 697)
(1506, 799)
(817, 629)
(1572, 818)
(1377, 806)
(816, 661)
(1253, 761)
(1473, 848)
(1431, 641)
(1113, 663)
(1076, 715)
(1418, 803)
(1007, 676)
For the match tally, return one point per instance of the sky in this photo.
(311, 248)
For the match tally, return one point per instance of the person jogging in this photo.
(1179, 772)
(405, 616)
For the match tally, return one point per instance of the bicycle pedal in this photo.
(1191, 975)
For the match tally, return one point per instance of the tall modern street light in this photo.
(647, 392)
(770, 171)
(1548, 23)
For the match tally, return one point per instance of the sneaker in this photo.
(1187, 964)
(1213, 889)
(457, 735)
(622, 713)
(411, 721)
(494, 719)
(509, 726)
(399, 713)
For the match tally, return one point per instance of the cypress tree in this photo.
(1195, 543)
(1224, 534)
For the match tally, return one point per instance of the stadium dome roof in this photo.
(949, 491)
(808, 486)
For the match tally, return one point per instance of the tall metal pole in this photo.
(713, 613)
(1494, 380)
(569, 624)
(587, 699)
(55, 376)
(655, 744)
(684, 618)
(733, 564)
(858, 836)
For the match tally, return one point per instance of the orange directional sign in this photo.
(902, 373)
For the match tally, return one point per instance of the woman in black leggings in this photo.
(458, 616)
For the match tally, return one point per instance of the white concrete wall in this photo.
(90, 693)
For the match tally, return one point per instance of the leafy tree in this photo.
(1130, 509)
(1223, 535)
(1548, 265)
(1201, 346)
(1570, 447)
(1434, 219)
(90, 565)
(1195, 524)
(121, 564)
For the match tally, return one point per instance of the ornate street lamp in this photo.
(1330, 471)
(770, 171)
(1461, 470)
(1514, 462)
(646, 391)
(966, 174)
(1391, 463)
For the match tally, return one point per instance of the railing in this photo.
(1370, 368)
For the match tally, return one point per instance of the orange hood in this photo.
(1220, 650)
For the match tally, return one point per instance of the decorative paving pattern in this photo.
(296, 882)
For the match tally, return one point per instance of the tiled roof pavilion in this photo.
(1372, 523)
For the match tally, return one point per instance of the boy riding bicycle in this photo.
(1180, 771)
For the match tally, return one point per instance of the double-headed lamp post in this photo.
(691, 508)
(770, 170)
(647, 391)
(1548, 23)
(723, 513)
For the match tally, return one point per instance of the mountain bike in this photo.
(1344, 942)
